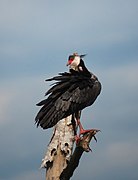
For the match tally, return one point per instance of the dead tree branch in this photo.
(59, 149)
(60, 161)
(82, 146)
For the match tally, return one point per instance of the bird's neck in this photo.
(83, 70)
(80, 69)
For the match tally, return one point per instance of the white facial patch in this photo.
(76, 61)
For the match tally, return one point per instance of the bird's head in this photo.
(74, 61)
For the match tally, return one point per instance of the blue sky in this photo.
(36, 38)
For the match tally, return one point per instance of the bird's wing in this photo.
(70, 94)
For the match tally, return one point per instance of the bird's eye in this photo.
(71, 57)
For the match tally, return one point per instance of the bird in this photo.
(71, 92)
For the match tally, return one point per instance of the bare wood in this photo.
(59, 149)
(83, 146)
(55, 168)
(60, 161)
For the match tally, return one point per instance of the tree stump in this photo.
(60, 161)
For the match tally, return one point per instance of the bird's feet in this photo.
(82, 132)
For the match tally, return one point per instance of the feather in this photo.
(70, 93)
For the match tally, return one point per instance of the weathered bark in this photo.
(82, 146)
(60, 161)
(55, 168)
(59, 149)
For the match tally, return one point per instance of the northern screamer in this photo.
(71, 93)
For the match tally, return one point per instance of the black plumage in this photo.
(70, 93)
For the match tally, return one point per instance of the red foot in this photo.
(83, 131)
(77, 139)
